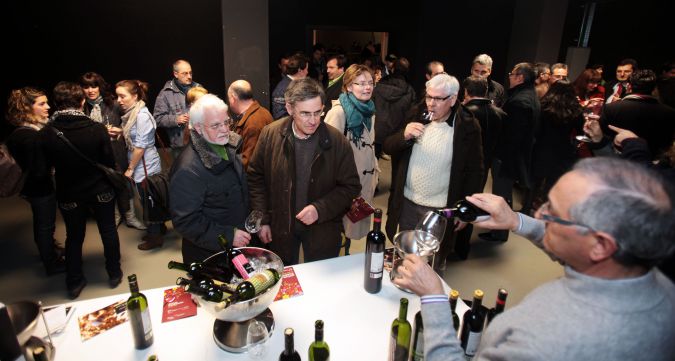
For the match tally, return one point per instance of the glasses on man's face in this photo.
(310, 115)
(545, 214)
(224, 124)
(365, 84)
(430, 99)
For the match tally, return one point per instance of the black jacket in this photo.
(490, 118)
(393, 98)
(24, 145)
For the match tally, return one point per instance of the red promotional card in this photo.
(290, 286)
(177, 304)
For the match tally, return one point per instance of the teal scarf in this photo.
(358, 115)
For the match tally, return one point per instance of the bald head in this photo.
(240, 95)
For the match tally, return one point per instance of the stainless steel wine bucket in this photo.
(245, 310)
(24, 316)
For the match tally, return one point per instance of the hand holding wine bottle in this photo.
(501, 214)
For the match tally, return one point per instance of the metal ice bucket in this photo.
(24, 316)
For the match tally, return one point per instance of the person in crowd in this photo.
(281, 65)
(482, 66)
(608, 221)
(317, 68)
(513, 153)
(600, 68)
(559, 71)
(587, 86)
(434, 68)
(302, 176)
(336, 69)
(620, 87)
(28, 110)
(208, 190)
(440, 163)
(251, 117)
(665, 91)
(101, 107)
(193, 94)
(171, 110)
(139, 135)
(296, 69)
(353, 115)
(542, 73)
(81, 188)
(389, 62)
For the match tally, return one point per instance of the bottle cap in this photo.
(454, 294)
(478, 294)
(288, 331)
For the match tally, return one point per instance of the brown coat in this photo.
(249, 127)
(334, 182)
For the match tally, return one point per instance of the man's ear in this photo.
(605, 246)
(289, 108)
(198, 128)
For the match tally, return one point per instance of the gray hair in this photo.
(633, 205)
(483, 59)
(304, 89)
(444, 82)
(208, 105)
(558, 66)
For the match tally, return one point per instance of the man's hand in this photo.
(308, 215)
(265, 233)
(413, 130)
(501, 215)
(416, 275)
(182, 118)
(621, 135)
(241, 238)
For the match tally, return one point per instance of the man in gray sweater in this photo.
(609, 222)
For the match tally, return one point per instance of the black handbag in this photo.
(156, 203)
(115, 177)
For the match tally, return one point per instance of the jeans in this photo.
(44, 224)
(75, 217)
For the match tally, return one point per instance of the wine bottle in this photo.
(372, 272)
(139, 316)
(472, 325)
(417, 352)
(204, 270)
(399, 341)
(237, 259)
(246, 290)
(40, 354)
(206, 283)
(289, 353)
(454, 295)
(319, 350)
(499, 305)
(465, 211)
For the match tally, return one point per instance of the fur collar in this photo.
(209, 158)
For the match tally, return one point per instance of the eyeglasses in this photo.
(429, 98)
(544, 212)
(309, 115)
(224, 124)
(365, 84)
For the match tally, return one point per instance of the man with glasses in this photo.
(440, 162)
(171, 111)
(609, 222)
(302, 176)
(208, 189)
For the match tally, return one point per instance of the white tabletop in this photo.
(357, 324)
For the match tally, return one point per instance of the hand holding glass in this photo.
(253, 220)
(592, 112)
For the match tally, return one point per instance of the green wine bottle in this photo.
(454, 295)
(399, 342)
(139, 316)
(204, 270)
(255, 285)
(319, 350)
(417, 352)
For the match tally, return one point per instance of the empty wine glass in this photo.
(256, 339)
(429, 233)
(253, 220)
(592, 112)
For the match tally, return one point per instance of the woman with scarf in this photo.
(139, 134)
(353, 115)
(81, 188)
(101, 107)
(28, 110)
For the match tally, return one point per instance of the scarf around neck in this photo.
(358, 115)
(95, 113)
(129, 120)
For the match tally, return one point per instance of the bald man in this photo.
(252, 117)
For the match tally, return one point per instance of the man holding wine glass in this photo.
(609, 222)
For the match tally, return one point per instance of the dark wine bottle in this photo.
(206, 283)
(289, 353)
(399, 341)
(417, 352)
(204, 270)
(499, 305)
(454, 296)
(40, 354)
(246, 290)
(372, 271)
(318, 350)
(237, 259)
(139, 316)
(465, 211)
(472, 325)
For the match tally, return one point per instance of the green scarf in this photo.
(219, 149)
(358, 115)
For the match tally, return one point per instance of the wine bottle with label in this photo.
(374, 265)
(472, 325)
(289, 353)
(499, 305)
(204, 270)
(399, 341)
(465, 211)
(236, 258)
(319, 350)
(255, 285)
(139, 316)
(454, 296)
(417, 351)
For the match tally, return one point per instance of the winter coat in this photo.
(171, 102)
(249, 127)
(393, 98)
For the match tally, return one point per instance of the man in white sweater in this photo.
(609, 222)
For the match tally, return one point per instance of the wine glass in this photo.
(253, 220)
(592, 112)
(429, 233)
(256, 339)
(425, 119)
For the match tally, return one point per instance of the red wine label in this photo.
(239, 262)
